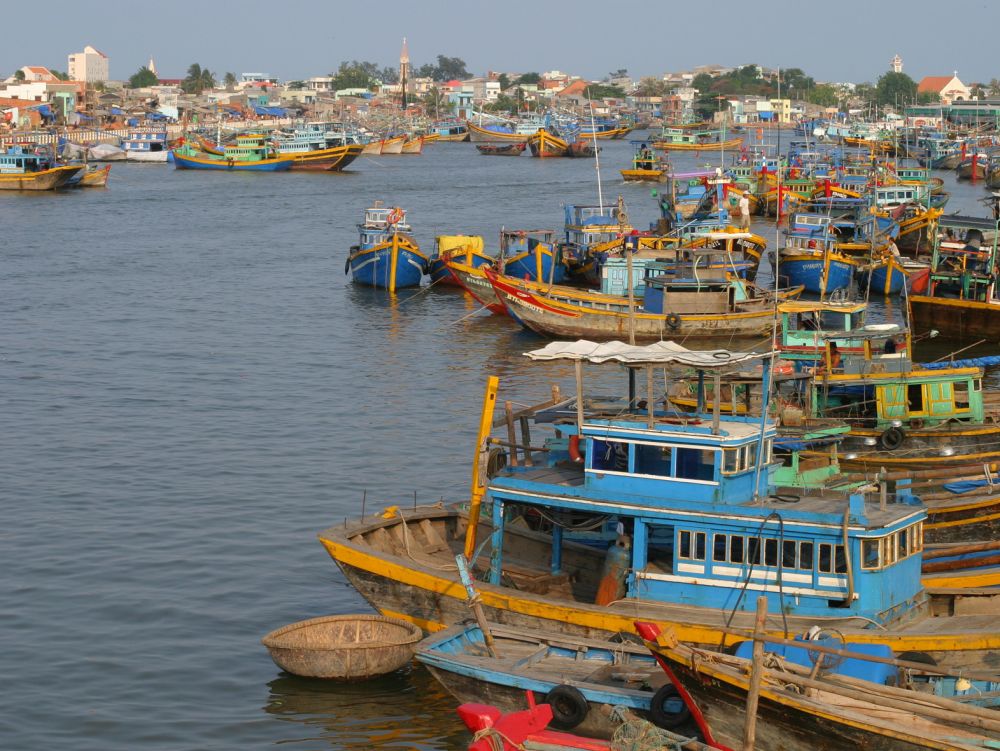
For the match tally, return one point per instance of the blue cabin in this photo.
(145, 142)
(17, 160)
(386, 256)
(700, 524)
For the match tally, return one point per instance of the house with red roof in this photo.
(947, 88)
(35, 74)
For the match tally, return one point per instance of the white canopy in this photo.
(660, 353)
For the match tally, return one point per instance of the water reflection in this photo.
(406, 709)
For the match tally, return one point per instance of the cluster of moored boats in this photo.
(790, 544)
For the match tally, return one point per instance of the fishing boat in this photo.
(317, 147)
(146, 146)
(544, 143)
(528, 729)
(414, 145)
(250, 152)
(393, 144)
(502, 149)
(888, 274)
(372, 147)
(581, 149)
(92, 176)
(386, 256)
(701, 525)
(962, 299)
(466, 250)
(21, 169)
(671, 305)
(453, 131)
(583, 680)
(646, 167)
(677, 139)
(810, 257)
(803, 704)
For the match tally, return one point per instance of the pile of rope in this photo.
(636, 734)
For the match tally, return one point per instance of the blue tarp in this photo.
(269, 111)
(43, 109)
(117, 111)
(964, 486)
(83, 116)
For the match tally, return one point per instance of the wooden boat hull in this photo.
(453, 137)
(950, 444)
(479, 134)
(391, 265)
(372, 148)
(644, 175)
(440, 271)
(544, 145)
(818, 275)
(788, 720)
(413, 146)
(533, 309)
(959, 319)
(152, 157)
(327, 160)
(392, 145)
(474, 281)
(95, 178)
(49, 179)
(420, 588)
(183, 161)
(890, 278)
(505, 149)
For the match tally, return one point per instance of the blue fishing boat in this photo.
(582, 679)
(146, 146)
(250, 152)
(810, 256)
(533, 255)
(386, 256)
(890, 275)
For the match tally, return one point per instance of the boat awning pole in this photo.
(478, 475)
(716, 402)
(650, 401)
(579, 397)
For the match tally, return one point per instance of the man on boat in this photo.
(744, 207)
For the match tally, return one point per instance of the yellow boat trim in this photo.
(963, 581)
(959, 522)
(900, 642)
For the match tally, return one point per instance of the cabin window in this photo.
(731, 461)
(826, 558)
(719, 548)
(788, 554)
(902, 543)
(915, 397)
(695, 464)
(753, 550)
(652, 460)
(806, 556)
(917, 538)
(770, 552)
(961, 394)
(889, 549)
(692, 545)
(612, 456)
(840, 560)
(736, 549)
(977, 384)
(870, 558)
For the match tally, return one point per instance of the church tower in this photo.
(897, 64)
(404, 72)
(152, 65)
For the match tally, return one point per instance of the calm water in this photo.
(191, 391)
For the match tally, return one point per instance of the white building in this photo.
(896, 64)
(89, 66)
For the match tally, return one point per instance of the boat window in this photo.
(612, 456)
(915, 397)
(770, 552)
(841, 560)
(917, 538)
(870, 554)
(695, 464)
(806, 556)
(652, 460)
(684, 546)
(736, 549)
(960, 391)
(977, 384)
(889, 549)
(753, 550)
(731, 461)
(692, 545)
(826, 558)
(719, 548)
(788, 554)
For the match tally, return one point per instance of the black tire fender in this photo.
(569, 707)
(892, 438)
(673, 321)
(667, 709)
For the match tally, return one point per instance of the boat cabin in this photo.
(18, 160)
(146, 141)
(807, 327)
(963, 265)
(691, 493)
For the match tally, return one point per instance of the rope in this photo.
(418, 294)
(478, 310)
(635, 734)
(496, 739)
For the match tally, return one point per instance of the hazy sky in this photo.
(832, 40)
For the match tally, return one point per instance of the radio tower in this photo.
(404, 72)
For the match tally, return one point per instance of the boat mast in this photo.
(597, 159)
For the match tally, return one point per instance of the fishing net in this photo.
(636, 734)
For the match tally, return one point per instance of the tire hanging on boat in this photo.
(667, 709)
(569, 707)
(892, 438)
(673, 321)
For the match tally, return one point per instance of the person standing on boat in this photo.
(744, 207)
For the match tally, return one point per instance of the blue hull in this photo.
(809, 273)
(373, 268)
(439, 270)
(877, 283)
(536, 269)
(270, 165)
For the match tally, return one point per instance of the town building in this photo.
(896, 64)
(89, 66)
(947, 88)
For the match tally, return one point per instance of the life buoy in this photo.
(574, 449)
(395, 216)
(667, 709)
(569, 706)
(892, 438)
(673, 321)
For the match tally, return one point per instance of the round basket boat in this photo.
(343, 647)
